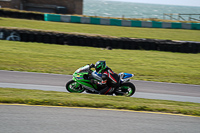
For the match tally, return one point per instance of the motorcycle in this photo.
(81, 82)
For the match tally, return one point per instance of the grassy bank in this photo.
(37, 97)
(63, 59)
(133, 32)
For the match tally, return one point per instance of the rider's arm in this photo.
(103, 82)
(91, 66)
(104, 79)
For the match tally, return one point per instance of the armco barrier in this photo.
(75, 19)
(166, 25)
(104, 21)
(116, 22)
(97, 41)
(176, 26)
(85, 20)
(186, 26)
(52, 17)
(136, 23)
(147, 24)
(94, 20)
(156, 24)
(196, 26)
(127, 23)
(65, 18)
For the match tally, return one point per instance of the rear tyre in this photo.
(74, 87)
(126, 89)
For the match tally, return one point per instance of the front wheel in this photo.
(126, 89)
(74, 87)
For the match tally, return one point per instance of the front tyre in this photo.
(126, 89)
(74, 87)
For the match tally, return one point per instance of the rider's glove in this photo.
(92, 65)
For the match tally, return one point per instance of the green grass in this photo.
(133, 32)
(63, 59)
(38, 97)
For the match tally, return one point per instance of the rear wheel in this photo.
(74, 87)
(126, 89)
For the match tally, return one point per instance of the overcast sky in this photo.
(168, 2)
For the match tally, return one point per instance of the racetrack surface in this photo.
(56, 82)
(46, 119)
(43, 119)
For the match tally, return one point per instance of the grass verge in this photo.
(117, 31)
(63, 59)
(38, 97)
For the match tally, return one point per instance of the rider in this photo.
(109, 78)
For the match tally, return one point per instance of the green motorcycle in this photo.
(81, 82)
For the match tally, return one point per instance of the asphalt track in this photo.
(56, 82)
(43, 119)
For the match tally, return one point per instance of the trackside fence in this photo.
(119, 22)
(94, 20)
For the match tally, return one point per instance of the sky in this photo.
(168, 2)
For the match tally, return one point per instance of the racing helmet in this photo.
(100, 66)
